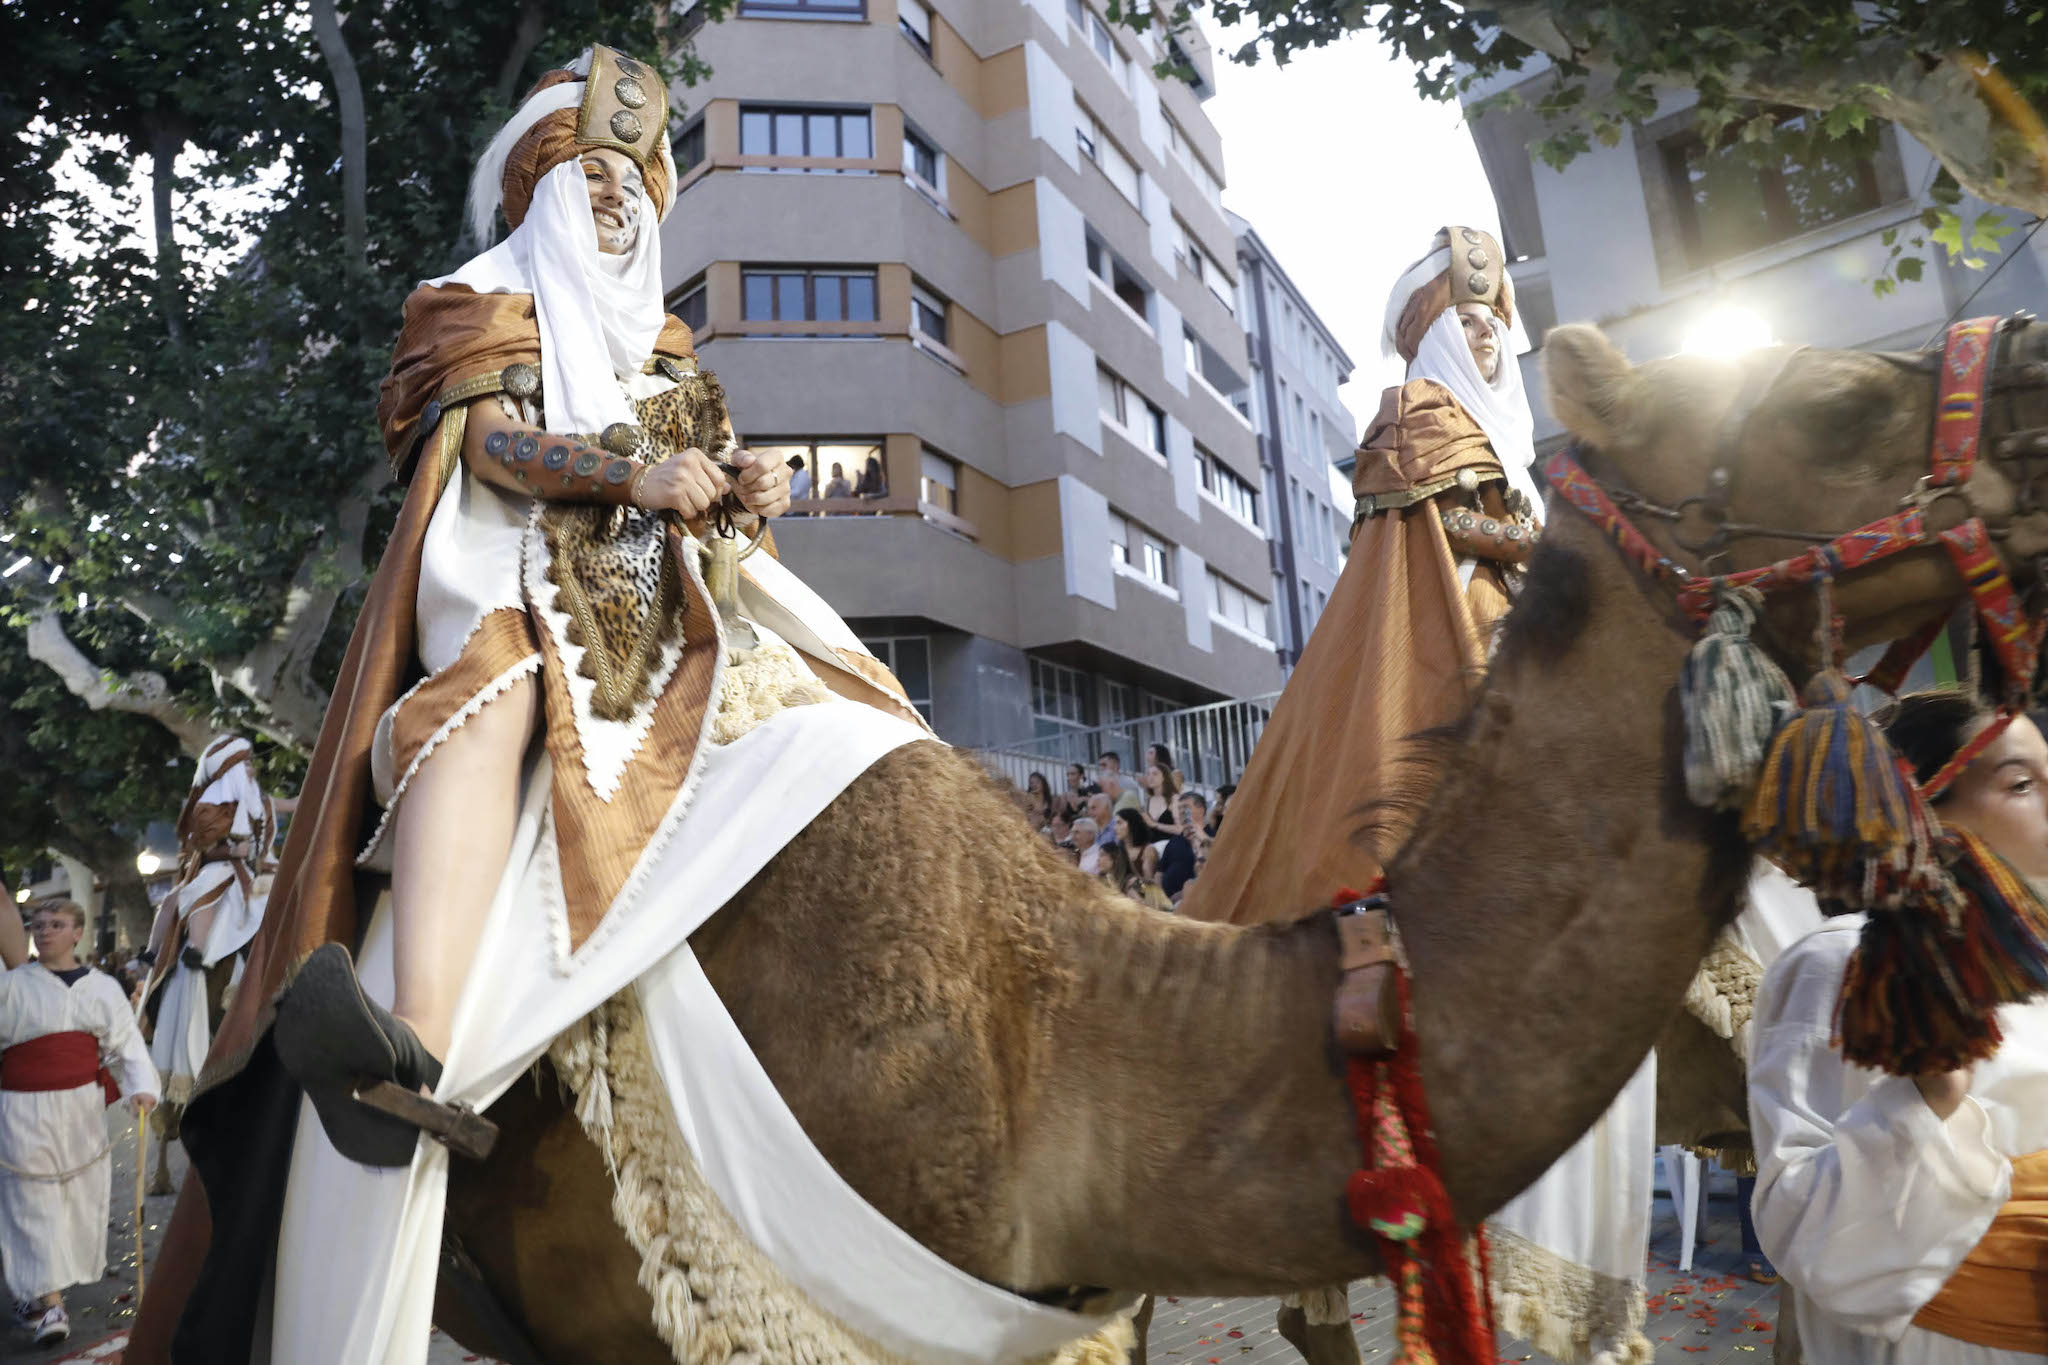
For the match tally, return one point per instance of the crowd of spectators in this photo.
(871, 486)
(1147, 836)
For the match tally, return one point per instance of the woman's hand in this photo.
(140, 1103)
(764, 482)
(688, 483)
(1944, 1090)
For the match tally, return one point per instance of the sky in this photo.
(1346, 172)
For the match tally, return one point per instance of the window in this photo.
(1728, 200)
(1184, 152)
(1185, 66)
(1117, 276)
(828, 294)
(1130, 412)
(1220, 482)
(1096, 146)
(692, 305)
(1315, 435)
(1058, 698)
(914, 21)
(1136, 550)
(909, 657)
(1234, 606)
(803, 9)
(1097, 35)
(921, 160)
(834, 134)
(927, 313)
(688, 147)
(939, 482)
(824, 457)
(1198, 262)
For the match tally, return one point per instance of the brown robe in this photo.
(1401, 646)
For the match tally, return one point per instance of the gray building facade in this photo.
(972, 254)
(1304, 432)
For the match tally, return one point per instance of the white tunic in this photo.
(1865, 1200)
(53, 1232)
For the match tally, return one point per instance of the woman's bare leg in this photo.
(453, 835)
(198, 926)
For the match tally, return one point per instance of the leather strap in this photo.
(1367, 1014)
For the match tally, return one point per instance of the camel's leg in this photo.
(166, 1122)
(1141, 1328)
(453, 834)
(1318, 1324)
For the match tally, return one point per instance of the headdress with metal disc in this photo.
(625, 106)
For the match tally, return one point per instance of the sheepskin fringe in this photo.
(1322, 1307)
(1565, 1310)
(1723, 991)
(717, 1299)
(759, 682)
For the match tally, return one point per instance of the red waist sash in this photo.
(56, 1061)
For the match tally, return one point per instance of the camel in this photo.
(1052, 1087)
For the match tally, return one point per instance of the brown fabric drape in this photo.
(1401, 645)
(1996, 1297)
(452, 333)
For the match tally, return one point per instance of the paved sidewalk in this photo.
(1712, 1315)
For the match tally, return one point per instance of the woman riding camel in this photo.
(1907, 1210)
(560, 654)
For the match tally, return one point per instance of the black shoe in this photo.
(193, 958)
(333, 1039)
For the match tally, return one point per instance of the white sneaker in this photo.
(55, 1325)
(27, 1313)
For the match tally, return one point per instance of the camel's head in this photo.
(1813, 442)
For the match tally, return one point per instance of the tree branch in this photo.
(140, 693)
(525, 37)
(1938, 101)
(348, 103)
(165, 142)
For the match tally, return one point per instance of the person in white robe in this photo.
(1908, 1211)
(59, 1022)
(224, 836)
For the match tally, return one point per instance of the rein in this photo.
(1966, 375)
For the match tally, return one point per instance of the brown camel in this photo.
(1052, 1087)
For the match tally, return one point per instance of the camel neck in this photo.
(1560, 889)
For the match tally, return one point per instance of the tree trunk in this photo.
(348, 103)
(165, 142)
(525, 37)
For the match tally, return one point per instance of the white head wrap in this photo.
(1499, 405)
(599, 315)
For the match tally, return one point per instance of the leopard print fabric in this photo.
(614, 574)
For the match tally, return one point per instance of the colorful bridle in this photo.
(1966, 374)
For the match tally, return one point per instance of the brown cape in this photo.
(1399, 648)
(237, 1127)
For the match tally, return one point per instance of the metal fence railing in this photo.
(1210, 744)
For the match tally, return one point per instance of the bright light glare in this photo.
(1727, 332)
(147, 863)
(21, 896)
(16, 567)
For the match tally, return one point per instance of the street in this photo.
(1711, 1315)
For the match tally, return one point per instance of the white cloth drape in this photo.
(599, 315)
(1865, 1201)
(53, 1233)
(1499, 405)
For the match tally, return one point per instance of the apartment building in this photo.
(1663, 237)
(971, 254)
(1305, 434)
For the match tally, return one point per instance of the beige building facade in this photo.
(973, 255)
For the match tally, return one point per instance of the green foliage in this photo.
(1608, 63)
(182, 415)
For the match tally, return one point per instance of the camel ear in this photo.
(1589, 382)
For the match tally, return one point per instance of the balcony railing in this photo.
(1210, 744)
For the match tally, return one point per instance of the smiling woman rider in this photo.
(1907, 1211)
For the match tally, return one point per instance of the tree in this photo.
(187, 433)
(1964, 77)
